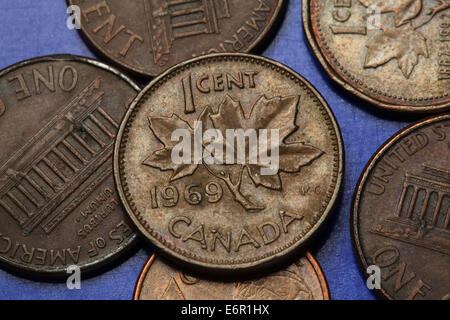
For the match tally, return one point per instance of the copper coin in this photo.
(59, 116)
(400, 214)
(149, 36)
(220, 207)
(303, 280)
(393, 54)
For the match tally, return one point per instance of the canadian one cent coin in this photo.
(229, 162)
(303, 280)
(149, 36)
(59, 116)
(400, 214)
(394, 54)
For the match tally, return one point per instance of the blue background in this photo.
(30, 28)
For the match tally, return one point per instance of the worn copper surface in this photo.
(303, 280)
(394, 54)
(229, 218)
(149, 36)
(400, 215)
(58, 204)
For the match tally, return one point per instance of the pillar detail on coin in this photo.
(58, 203)
(303, 280)
(401, 218)
(229, 162)
(149, 36)
(394, 54)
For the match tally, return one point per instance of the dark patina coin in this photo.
(303, 280)
(224, 205)
(59, 116)
(400, 215)
(149, 36)
(394, 54)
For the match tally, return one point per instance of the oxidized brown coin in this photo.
(223, 206)
(59, 116)
(394, 54)
(400, 214)
(303, 280)
(149, 36)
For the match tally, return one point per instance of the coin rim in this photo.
(241, 267)
(315, 264)
(140, 72)
(307, 28)
(379, 154)
(128, 245)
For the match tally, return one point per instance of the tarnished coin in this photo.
(394, 54)
(59, 116)
(229, 162)
(400, 214)
(303, 280)
(149, 36)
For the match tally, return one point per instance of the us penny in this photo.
(59, 116)
(400, 214)
(193, 169)
(393, 54)
(303, 280)
(149, 36)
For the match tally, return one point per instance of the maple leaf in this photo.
(404, 10)
(405, 45)
(162, 128)
(279, 113)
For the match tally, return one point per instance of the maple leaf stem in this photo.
(426, 21)
(235, 190)
(433, 13)
(242, 200)
(241, 173)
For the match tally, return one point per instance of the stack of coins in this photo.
(207, 162)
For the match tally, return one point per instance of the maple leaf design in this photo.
(278, 113)
(404, 10)
(443, 5)
(405, 45)
(162, 128)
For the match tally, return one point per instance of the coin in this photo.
(59, 116)
(400, 214)
(149, 36)
(393, 54)
(303, 280)
(193, 169)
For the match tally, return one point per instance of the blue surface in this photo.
(31, 28)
